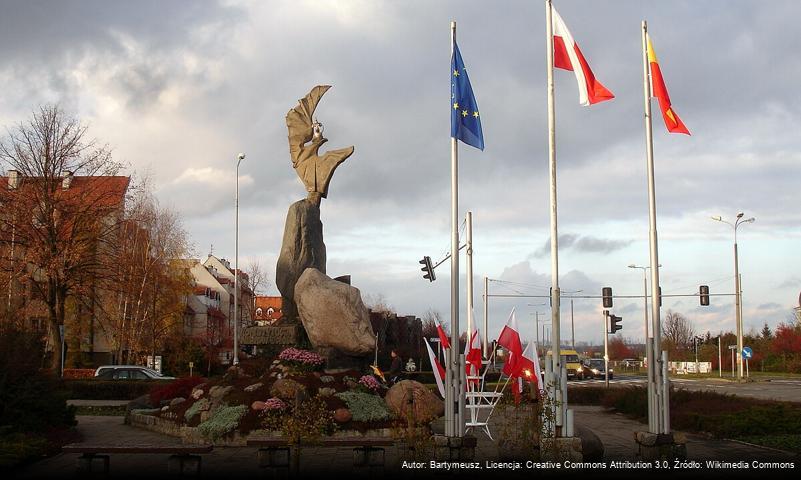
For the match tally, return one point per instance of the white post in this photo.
(486, 318)
(236, 267)
(662, 393)
(452, 393)
(720, 360)
(606, 348)
(469, 235)
(556, 358)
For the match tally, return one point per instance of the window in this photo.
(121, 375)
(138, 375)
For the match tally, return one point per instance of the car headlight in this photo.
(594, 370)
(611, 371)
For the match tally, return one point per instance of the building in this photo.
(209, 314)
(267, 310)
(82, 216)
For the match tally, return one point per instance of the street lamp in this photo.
(240, 157)
(537, 322)
(645, 295)
(738, 314)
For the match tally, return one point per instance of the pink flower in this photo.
(370, 382)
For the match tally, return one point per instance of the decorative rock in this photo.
(333, 314)
(176, 401)
(425, 405)
(327, 392)
(342, 415)
(217, 393)
(285, 389)
(254, 387)
(258, 405)
(302, 247)
(326, 379)
(165, 408)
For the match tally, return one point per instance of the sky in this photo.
(178, 89)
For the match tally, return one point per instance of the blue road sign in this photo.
(747, 352)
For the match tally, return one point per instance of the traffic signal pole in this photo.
(606, 348)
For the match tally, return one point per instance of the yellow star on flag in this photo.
(464, 113)
(456, 73)
(475, 114)
(456, 105)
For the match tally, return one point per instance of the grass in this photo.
(790, 442)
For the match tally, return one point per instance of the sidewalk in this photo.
(614, 430)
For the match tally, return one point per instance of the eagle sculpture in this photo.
(305, 139)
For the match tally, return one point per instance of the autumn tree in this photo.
(63, 204)
(618, 350)
(150, 283)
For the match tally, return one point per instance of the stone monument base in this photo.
(661, 446)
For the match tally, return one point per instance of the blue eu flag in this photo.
(465, 120)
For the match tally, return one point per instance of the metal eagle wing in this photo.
(299, 121)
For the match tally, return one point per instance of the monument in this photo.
(332, 313)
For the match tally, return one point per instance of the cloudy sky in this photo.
(179, 88)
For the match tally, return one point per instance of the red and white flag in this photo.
(472, 354)
(566, 55)
(510, 335)
(443, 337)
(510, 340)
(439, 371)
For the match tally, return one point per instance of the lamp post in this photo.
(240, 157)
(536, 323)
(738, 314)
(650, 354)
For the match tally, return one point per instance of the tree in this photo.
(431, 319)
(678, 330)
(766, 333)
(149, 284)
(64, 212)
(618, 350)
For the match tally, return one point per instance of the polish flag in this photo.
(472, 354)
(523, 368)
(443, 337)
(439, 372)
(566, 55)
(510, 337)
(659, 90)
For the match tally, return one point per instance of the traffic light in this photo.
(660, 296)
(428, 269)
(703, 294)
(614, 322)
(606, 293)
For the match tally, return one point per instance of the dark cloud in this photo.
(584, 244)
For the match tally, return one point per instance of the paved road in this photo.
(784, 389)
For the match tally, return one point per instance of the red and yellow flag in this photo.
(658, 90)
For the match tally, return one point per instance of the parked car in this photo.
(594, 368)
(128, 372)
(571, 361)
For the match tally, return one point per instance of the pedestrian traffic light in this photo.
(606, 293)
(428, 269)
(614, 323)
(703, 293)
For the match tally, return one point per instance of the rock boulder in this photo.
(333, 314)
(301, 248)
(425, 405)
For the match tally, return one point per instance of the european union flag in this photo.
(465, 120)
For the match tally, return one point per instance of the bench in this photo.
(184, 459)
(283, 457)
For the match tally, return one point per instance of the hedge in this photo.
(110, 389)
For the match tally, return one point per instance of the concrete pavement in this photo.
(614, 430)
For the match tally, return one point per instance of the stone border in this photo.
(190, 435)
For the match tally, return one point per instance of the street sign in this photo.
(747, 352)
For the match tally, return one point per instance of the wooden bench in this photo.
(184, 459)
(283, 457)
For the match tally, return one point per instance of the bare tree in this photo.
(61, 223)
(431, 319)
(258, 283)
(677, 329)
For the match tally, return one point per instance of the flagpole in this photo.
(470, 316)
(451, 373)
(657, 386)
(560, 392)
